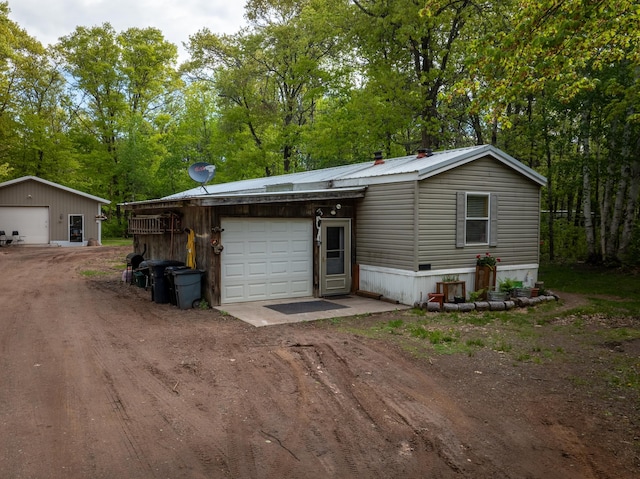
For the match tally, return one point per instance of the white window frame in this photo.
(461, 218)
(485, 219)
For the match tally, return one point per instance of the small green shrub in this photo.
(475, 295)
(507, 285)
(476, 342)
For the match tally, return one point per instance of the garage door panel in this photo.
(281, 267)
(280, 289)
(278, 265)
(234, 293)
(257, 248)
(300, 287)
(299, 227)
(257, 269)
(280, 227)
(299, 266)
(235, 250)
(280, 247)
(234, 270)
(256, 291)
(256, 227)
(300, 247)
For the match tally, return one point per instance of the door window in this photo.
(75, 228)
(335, 249)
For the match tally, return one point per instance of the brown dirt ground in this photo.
(99, 382)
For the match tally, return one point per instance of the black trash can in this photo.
(188, 286)
(159, 284)
(168, 274)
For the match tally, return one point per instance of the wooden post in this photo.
(485, 279)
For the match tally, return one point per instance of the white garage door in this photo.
(267, 258)
(32, 222)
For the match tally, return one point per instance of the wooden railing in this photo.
(154, 224)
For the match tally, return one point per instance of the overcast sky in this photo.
(48, 20)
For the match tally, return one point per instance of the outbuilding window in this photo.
(477, 219)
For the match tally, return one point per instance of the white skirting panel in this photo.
(411, 287)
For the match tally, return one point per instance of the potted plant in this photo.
(493, 295)
(487, 260)
(507, 286)
(522, 292)
(451, 287)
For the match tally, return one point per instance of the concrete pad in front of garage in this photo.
(259, 314)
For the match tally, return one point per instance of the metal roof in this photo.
(362, 174)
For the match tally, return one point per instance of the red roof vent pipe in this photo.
(377, 158)
(424, 153)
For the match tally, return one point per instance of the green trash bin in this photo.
(141, 279)
(188, 287)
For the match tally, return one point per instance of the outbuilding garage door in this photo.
(267, 258)
(31, 222)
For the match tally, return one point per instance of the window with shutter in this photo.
(477, 219)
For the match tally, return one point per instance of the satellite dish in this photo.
(202, 173)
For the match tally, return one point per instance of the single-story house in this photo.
(43, 212)
(392, 227)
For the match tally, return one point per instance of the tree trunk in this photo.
(550, 195)
(611, 249)
(550, 216)
(605, 207)
(613, 237)
(287, 158)
(631, 214)
(586, 189)
(477, 128)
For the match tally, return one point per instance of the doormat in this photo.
(305, 307)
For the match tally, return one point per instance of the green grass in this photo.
(625, 374)
(117, 242)
(521, 334)
(92, 273)
(583, 279)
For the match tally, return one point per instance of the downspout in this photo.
(99, 221)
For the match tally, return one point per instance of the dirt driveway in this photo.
(99, 382)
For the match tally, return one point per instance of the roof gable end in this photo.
(24, 179)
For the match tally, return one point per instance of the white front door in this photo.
(335, 257)
(266, 258)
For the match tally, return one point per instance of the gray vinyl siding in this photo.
(385, 234)
(60, 202)
(518, 215)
